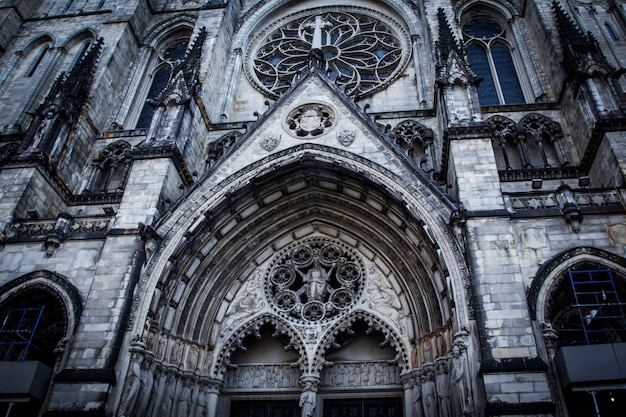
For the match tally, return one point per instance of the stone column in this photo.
(213, 392)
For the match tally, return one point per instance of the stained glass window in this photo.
(490, 57)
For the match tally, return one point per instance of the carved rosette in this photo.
(315, 280)
(310, 120)
(346, 137)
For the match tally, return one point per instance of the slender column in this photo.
(232, 84)
(213, 392)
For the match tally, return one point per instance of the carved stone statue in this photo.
(184, 397)
(202, 403)
(168, 400)
(461, 399)
(134, 377)
(147, 380)
(429, 395)
(316, 279)
(442, 382)
(416, 392)
(308, 400)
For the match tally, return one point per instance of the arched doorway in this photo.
(273, 279)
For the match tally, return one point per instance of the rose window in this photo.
(315, 280)
(360, 50)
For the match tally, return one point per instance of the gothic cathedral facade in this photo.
(312, 208)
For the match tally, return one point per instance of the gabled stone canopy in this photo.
(259, 199)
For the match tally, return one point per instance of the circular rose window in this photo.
(361, 50)
(315, 280)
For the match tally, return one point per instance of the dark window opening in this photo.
(611, 32)
(17, 332)
(371, 407)
(265, 409)
(161, 77)
(37, 62)
(33, 323)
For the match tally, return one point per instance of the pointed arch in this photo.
(59, 300)
(545, 285)
(282, 329)
(374, 324)
(194, 270)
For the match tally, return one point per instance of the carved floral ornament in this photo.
(360, 49)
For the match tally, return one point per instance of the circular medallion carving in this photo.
(310, 120)
(315, 280)
(361, 50)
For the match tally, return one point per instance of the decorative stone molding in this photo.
(270, 142)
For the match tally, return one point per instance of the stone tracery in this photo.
(357, 49)
(314, 280)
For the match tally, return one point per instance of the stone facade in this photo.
(312, 208)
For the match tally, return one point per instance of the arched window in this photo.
(170, 55)
(417, 141)
(40, 56)
(38, 315)
(588, 311)
(541, 140)
(111, 168)
(610, 31)
(510, 154)
(489, 53)
(590, 307)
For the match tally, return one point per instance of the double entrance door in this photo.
(357, 407)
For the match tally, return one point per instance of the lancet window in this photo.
(490, 53)
(41, 53)
(111, 168)
(171, 54)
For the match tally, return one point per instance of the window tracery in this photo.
(111, 169)
(417, 141)
(534, 142)
(359, 49)
(490, 55)
(542, 140)
(172, 54)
